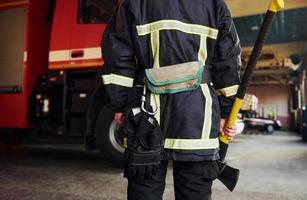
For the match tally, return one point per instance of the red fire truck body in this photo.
(73, 45)
(14, 98)
(50, 66)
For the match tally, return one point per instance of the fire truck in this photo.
(50, 72)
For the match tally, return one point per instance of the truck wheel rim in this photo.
(270, 129)
(113, 136)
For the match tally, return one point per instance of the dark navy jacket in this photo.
(156, 33)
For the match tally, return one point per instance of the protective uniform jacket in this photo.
(156, 33)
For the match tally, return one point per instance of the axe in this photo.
(228, 175)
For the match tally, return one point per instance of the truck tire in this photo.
(269, 129)
(107, 139)
(304, 126)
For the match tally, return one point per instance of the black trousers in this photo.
(192, 181)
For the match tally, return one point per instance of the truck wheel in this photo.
(269, 128)
(107, 137)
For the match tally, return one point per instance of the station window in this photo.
(95, 11)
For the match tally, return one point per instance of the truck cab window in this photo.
(95, 11)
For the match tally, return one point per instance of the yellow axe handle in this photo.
(276, 5)
(232, 117)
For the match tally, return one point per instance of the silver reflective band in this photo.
(117, 80)
(155, 46)
(202, 52)
(191, 144)
(177, 25)
(228, 91)
(136, 111)
(155, 103)
(198, 144)
(208, 112)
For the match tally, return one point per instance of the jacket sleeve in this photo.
(119, 59)
(226, 61)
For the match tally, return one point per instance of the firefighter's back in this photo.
(179, 24)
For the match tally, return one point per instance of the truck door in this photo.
(76, 33)
(12, 48)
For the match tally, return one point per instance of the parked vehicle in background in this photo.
(253, 121)
(251, 118)
(240, 126)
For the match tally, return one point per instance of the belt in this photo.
(207, 77)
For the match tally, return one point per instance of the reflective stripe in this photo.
(202, 52)
(204, 32)
(155, 47)
(154, 30)
(177, 25)
(117, 80)
(25, 56)
(198, 144)
(155, 103)
(228, 91)
(66, 54)
(191, 144)
(208, 112)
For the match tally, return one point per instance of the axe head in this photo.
(228, 175)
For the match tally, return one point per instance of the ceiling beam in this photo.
(240, 8)
(286, 79)
(284, 49)
(275, 72)
(260, 83)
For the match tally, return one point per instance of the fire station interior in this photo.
(278, 80)
(59, 141)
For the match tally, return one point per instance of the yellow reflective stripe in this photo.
(191, 144)
(155, 104)
(202, 52)
(208, 112)
(155, 47)
(117, 80)
(177, 25)
(198, 144)
(228, 91)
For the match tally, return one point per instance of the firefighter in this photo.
(153, 34)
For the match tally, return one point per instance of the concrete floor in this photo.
(273, 167)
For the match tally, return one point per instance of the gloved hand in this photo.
(145, 144)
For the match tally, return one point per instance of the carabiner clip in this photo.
(144, 101)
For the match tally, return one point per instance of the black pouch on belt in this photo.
(144, 145)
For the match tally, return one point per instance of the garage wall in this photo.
(241, 8)
(277, 97)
